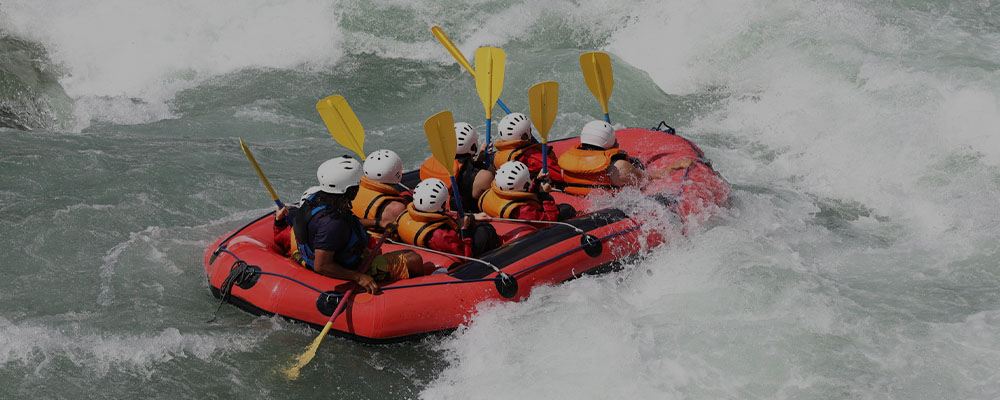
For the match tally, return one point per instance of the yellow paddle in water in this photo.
(596, 67)
(440, 131)
(343, 125)
(490, 64)
(292, 373)
(543, 101)
(346, 129)
(448, 45)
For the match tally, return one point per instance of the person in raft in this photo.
(379, 202)
(598, 163)
(331, 240)
(425, 224)
(473, 174)
(511, 196)
(282, 232)
(517, 144)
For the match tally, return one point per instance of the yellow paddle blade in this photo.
(490, 63)
(441, 37)
(343, 125)
(440, 130)
(596, 67)
(543, 100)
(253, 161)
(292, 373)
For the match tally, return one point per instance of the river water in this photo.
(860, 258)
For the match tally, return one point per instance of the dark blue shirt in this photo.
(329, 233)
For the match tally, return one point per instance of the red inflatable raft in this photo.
(248, 268)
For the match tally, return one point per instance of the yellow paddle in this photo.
(256, 167)
(292, 373)
(596, 67)
(543, 101)
(343, 125)
(440, 131)
(490, 64)
(448, 45)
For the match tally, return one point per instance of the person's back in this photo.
(516, 144)
(378, 202)
(472, 174)
(331, 239)
(510, 196)
(598, 163)
(425, 224)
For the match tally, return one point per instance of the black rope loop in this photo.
(240, 274)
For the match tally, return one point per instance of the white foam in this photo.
(119, 50)
(101, 353)
(833, 108)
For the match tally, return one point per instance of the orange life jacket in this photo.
(585, 170)
(432, 168)
(502, 203)
(372, 197)
(416, 227)
(510, 150)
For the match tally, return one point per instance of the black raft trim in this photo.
(511, 253)
(254, 310)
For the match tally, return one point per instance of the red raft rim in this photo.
(268, 283)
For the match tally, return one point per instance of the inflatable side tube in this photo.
(538, 241)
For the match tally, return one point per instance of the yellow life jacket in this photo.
(432, 168)
(372, 198)
(416, 227)
(500, 203)
(585, 170)
(510, 150)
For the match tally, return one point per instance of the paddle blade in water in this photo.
(343, 125)
(543, 101)
(440, 130)
(490, 63)
(292, 373)
(596, 67)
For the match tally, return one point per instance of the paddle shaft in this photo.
(464, 62)
(263, 179)
(364, 268)
(545, 157)
(458, 203)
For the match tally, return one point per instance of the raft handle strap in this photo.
(663, 127)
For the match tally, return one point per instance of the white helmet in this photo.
(336, 175)
(598, 133)
(309, 193)
(515, 126)
(384, 166)
(430, 195)
(513, 175)
(467, 138)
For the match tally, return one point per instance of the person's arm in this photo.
(448, 241)
(482, 183)
(391, 212)
(550, 211)
(323, 263)
(527, 211)
(623, 173)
